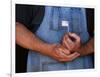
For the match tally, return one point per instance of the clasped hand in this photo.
(67, 50)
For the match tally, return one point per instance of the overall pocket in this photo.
(60, 19)
(78, 20)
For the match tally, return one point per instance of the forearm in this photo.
(27, 39)
(88, 48)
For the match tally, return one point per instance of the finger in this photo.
(60, 53)
(75, 36)
(56, 51)
(65, 43)
(71, 57)
(69, 43)
(65, 51)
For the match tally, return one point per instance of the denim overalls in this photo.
(56, 22)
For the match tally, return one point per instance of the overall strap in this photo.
(78, 20)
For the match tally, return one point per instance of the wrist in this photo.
(82, 51)
(44, 48)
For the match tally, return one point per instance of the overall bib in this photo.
(56, 22)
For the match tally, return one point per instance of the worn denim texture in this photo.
(51, 31)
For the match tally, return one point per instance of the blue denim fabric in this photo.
(51, 31)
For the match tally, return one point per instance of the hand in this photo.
(59, 53)
(71, 41)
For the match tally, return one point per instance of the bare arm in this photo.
(27, 39)
(87, 48)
